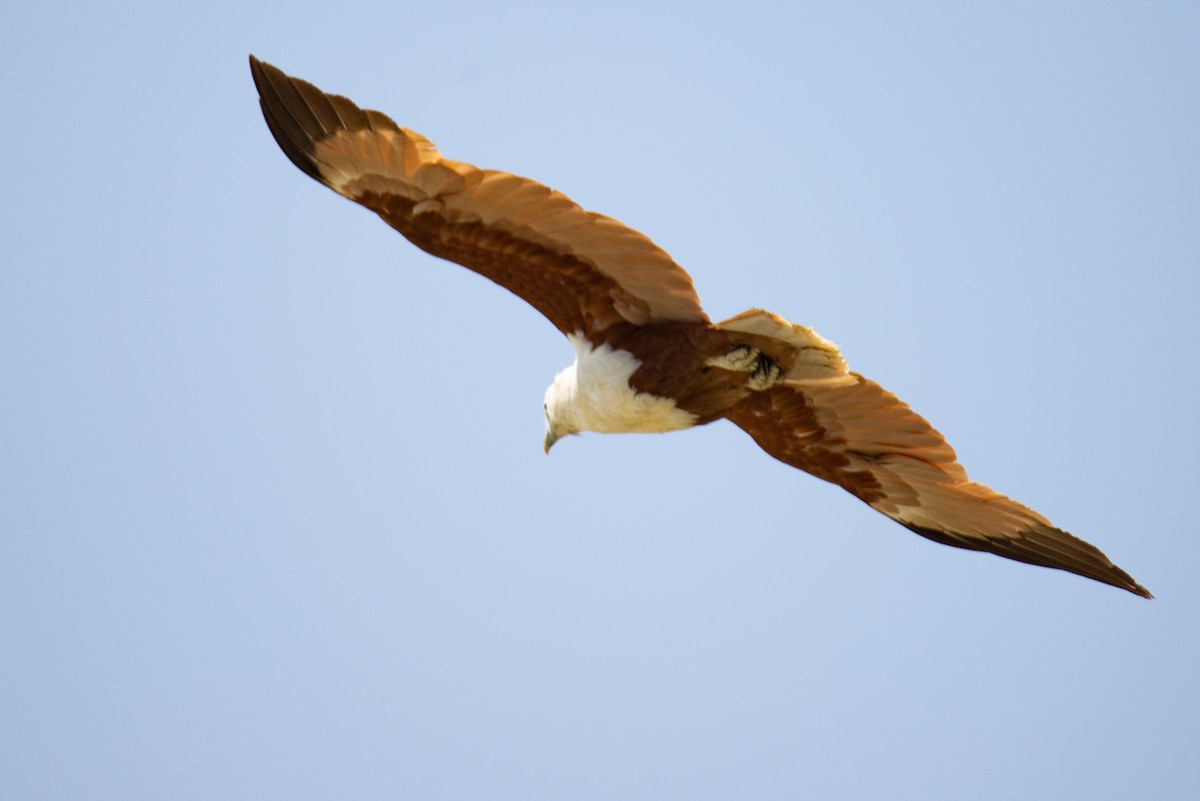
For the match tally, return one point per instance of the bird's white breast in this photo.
(602, 400)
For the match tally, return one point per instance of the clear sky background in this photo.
(275, 520)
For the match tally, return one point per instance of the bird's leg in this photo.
(764, 372)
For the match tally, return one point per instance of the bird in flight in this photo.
(647, 357)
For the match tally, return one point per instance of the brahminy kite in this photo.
(647, 357)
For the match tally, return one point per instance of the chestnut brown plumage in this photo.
(624, 302)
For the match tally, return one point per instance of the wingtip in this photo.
(288, 114)
(1045, 550)
(1119, 578)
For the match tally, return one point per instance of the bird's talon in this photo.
(741, 359)
(765, 376)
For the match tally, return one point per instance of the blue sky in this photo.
(275, 520)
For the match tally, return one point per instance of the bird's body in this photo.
(648, 359)
(596, 394)
(671, 376)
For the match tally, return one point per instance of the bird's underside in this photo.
(648, 358)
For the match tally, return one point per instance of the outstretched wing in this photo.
(583, 271)
(866, 440)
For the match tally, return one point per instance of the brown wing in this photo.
(869, 442)
(584, 271)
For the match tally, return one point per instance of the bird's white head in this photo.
(560, 408)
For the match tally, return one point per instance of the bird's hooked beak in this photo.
(548, 443)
